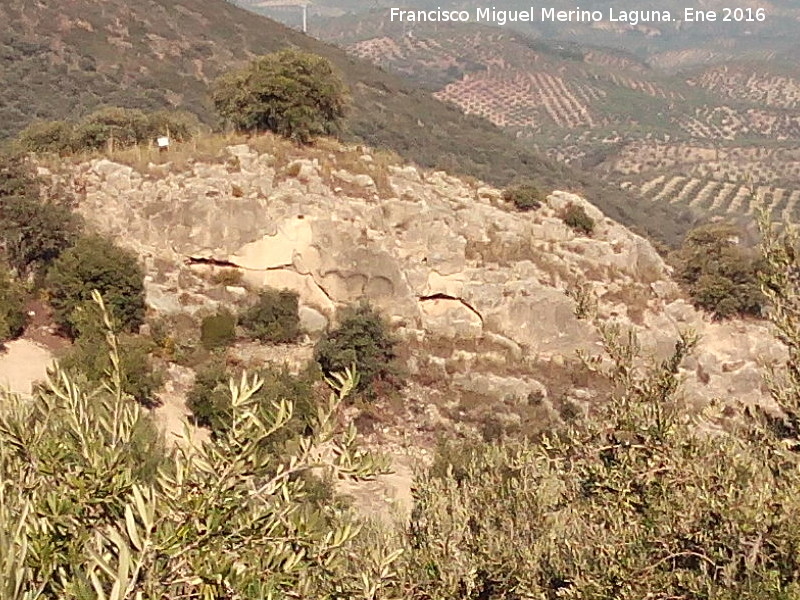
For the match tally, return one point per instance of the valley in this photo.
(715, 136)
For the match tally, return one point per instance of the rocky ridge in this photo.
(476, 289)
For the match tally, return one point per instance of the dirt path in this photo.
(23, 363)
(172, 414)
(388, 497)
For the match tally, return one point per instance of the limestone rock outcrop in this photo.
(441, 257)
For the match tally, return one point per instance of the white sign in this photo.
(163, 142)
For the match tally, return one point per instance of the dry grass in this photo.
(210, 148)
(226, 277)
(181, 157)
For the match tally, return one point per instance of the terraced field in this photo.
(674, 44)
(714, 197)
(760, 165)
(519, 99)
(538, 90)
(713, 180)
(728, 123)
(541, 89)
(742, 83)
(709, 138)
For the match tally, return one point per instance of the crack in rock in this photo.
(463, 302)
(218, 262)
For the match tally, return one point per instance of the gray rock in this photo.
(360, 180)
(312, 321)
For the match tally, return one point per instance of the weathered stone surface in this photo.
(105, 169)
(360, 180)
(444, 257)
(450, 318)
(514, 389)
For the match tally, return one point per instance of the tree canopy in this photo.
(720, 274)
(292, 93)
(33, 231)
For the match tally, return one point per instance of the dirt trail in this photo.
(23, 363)
(386, 498)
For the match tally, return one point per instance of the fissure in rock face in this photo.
(219, 262)
(441, 296)
(228, 264)
(214, 262)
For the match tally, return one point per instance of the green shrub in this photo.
(219, 330)
(96, 263)
(89, 357)
(12, 307)
(108, 127)
(179, 125)
(47, 136)
(720, 275)
(525, 196)
(274, 317)
(209, 400)
(575, 217)
(227, 277)
(112, 126)
(33, 232)
(362, 339)
(291, 93)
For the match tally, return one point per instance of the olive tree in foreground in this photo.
(88, 510)
(291, 93)
(780, 281)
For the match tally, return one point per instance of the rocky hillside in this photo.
(482, 296)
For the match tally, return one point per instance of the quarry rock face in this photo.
(442, 258)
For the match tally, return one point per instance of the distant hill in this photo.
(62, 59)
(709, 137)
(676, 43)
